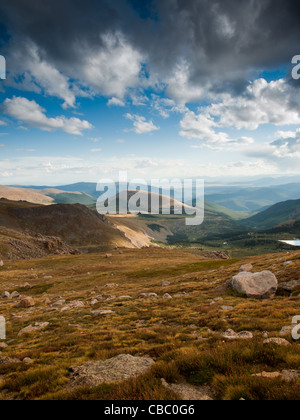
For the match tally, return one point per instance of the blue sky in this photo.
(127, 95)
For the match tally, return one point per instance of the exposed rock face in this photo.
(114, 370)
(256, 286)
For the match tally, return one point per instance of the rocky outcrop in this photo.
(256, 286)
(117, 369)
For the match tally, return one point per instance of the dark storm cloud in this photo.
(221, 40)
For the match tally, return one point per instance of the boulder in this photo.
(289, 286)
(117, 369)
(15, 295)
(5, 295)
(27, 302)
(255, 286)
(167, 296)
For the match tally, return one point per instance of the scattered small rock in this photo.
(102, 312)
(28, 361)
(226, 308)
(232, 335)
(27, 302)
(39, 326)
(15, 295)
(59, 303)
(73, 305)
(166, 284)
(268, 375)
(278, 341)
(287, 263)
(8, 360)
(148, 295)
(246, 268)
(5, 295)
(167, 296)
(26, 286)
(286, 331)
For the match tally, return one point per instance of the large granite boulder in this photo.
(255, 285)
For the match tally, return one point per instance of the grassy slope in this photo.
(277, 214)
(73, 198)
(168, 331)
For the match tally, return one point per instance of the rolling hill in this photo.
(45, 196)
(286, 211)
(72, 226)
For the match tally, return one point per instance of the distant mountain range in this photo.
(238, 198)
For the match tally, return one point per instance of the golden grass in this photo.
(166, 330)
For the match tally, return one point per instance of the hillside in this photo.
(22, 194)
(279, 213)
(90, 309)
(45, 196)
(75, 225)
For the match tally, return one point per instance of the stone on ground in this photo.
(190, 393)
(277, 341)
(117, 369)
(256, 286)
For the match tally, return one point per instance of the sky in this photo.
(160, 88)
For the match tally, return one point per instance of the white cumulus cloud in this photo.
(33, 115)
(141, 125)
